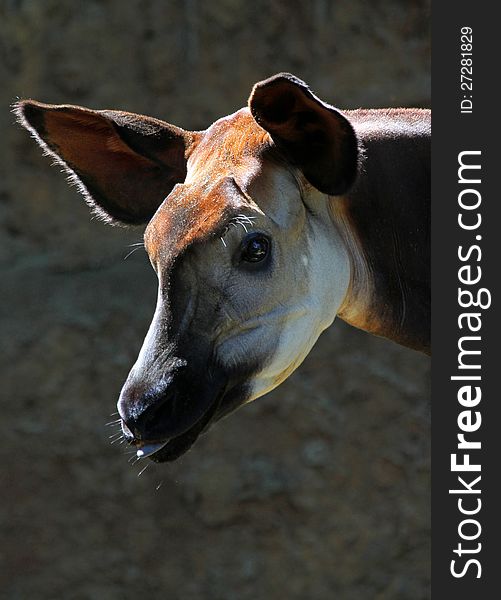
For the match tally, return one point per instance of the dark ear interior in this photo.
(312, 135)
(124, 164)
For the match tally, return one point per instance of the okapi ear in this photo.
(312, 135)
(123, 163)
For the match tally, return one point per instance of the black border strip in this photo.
(455, 132)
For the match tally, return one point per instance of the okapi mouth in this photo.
(169, 450)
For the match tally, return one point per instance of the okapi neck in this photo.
(384, 222)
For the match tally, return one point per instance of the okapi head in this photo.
(250, 264)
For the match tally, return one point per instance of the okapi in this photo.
(261, 229)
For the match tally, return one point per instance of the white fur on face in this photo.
(282, 318)
(312, 303)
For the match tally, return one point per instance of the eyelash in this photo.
(243, 220)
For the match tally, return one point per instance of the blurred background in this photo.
(320, 490)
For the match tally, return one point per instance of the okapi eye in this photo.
(255, 248)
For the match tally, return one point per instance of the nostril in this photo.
(152, 421)
(148, 416)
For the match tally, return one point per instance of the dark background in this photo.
(319, 490)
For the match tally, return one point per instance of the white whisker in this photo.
(131, 252)
(143, 470)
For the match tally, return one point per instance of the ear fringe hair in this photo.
(18, 109)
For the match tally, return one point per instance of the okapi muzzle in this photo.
(172, 392)
(261, 229)
(178, 386)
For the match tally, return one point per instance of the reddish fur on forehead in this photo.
(230, 151)
(234, 137)
(191, 213)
